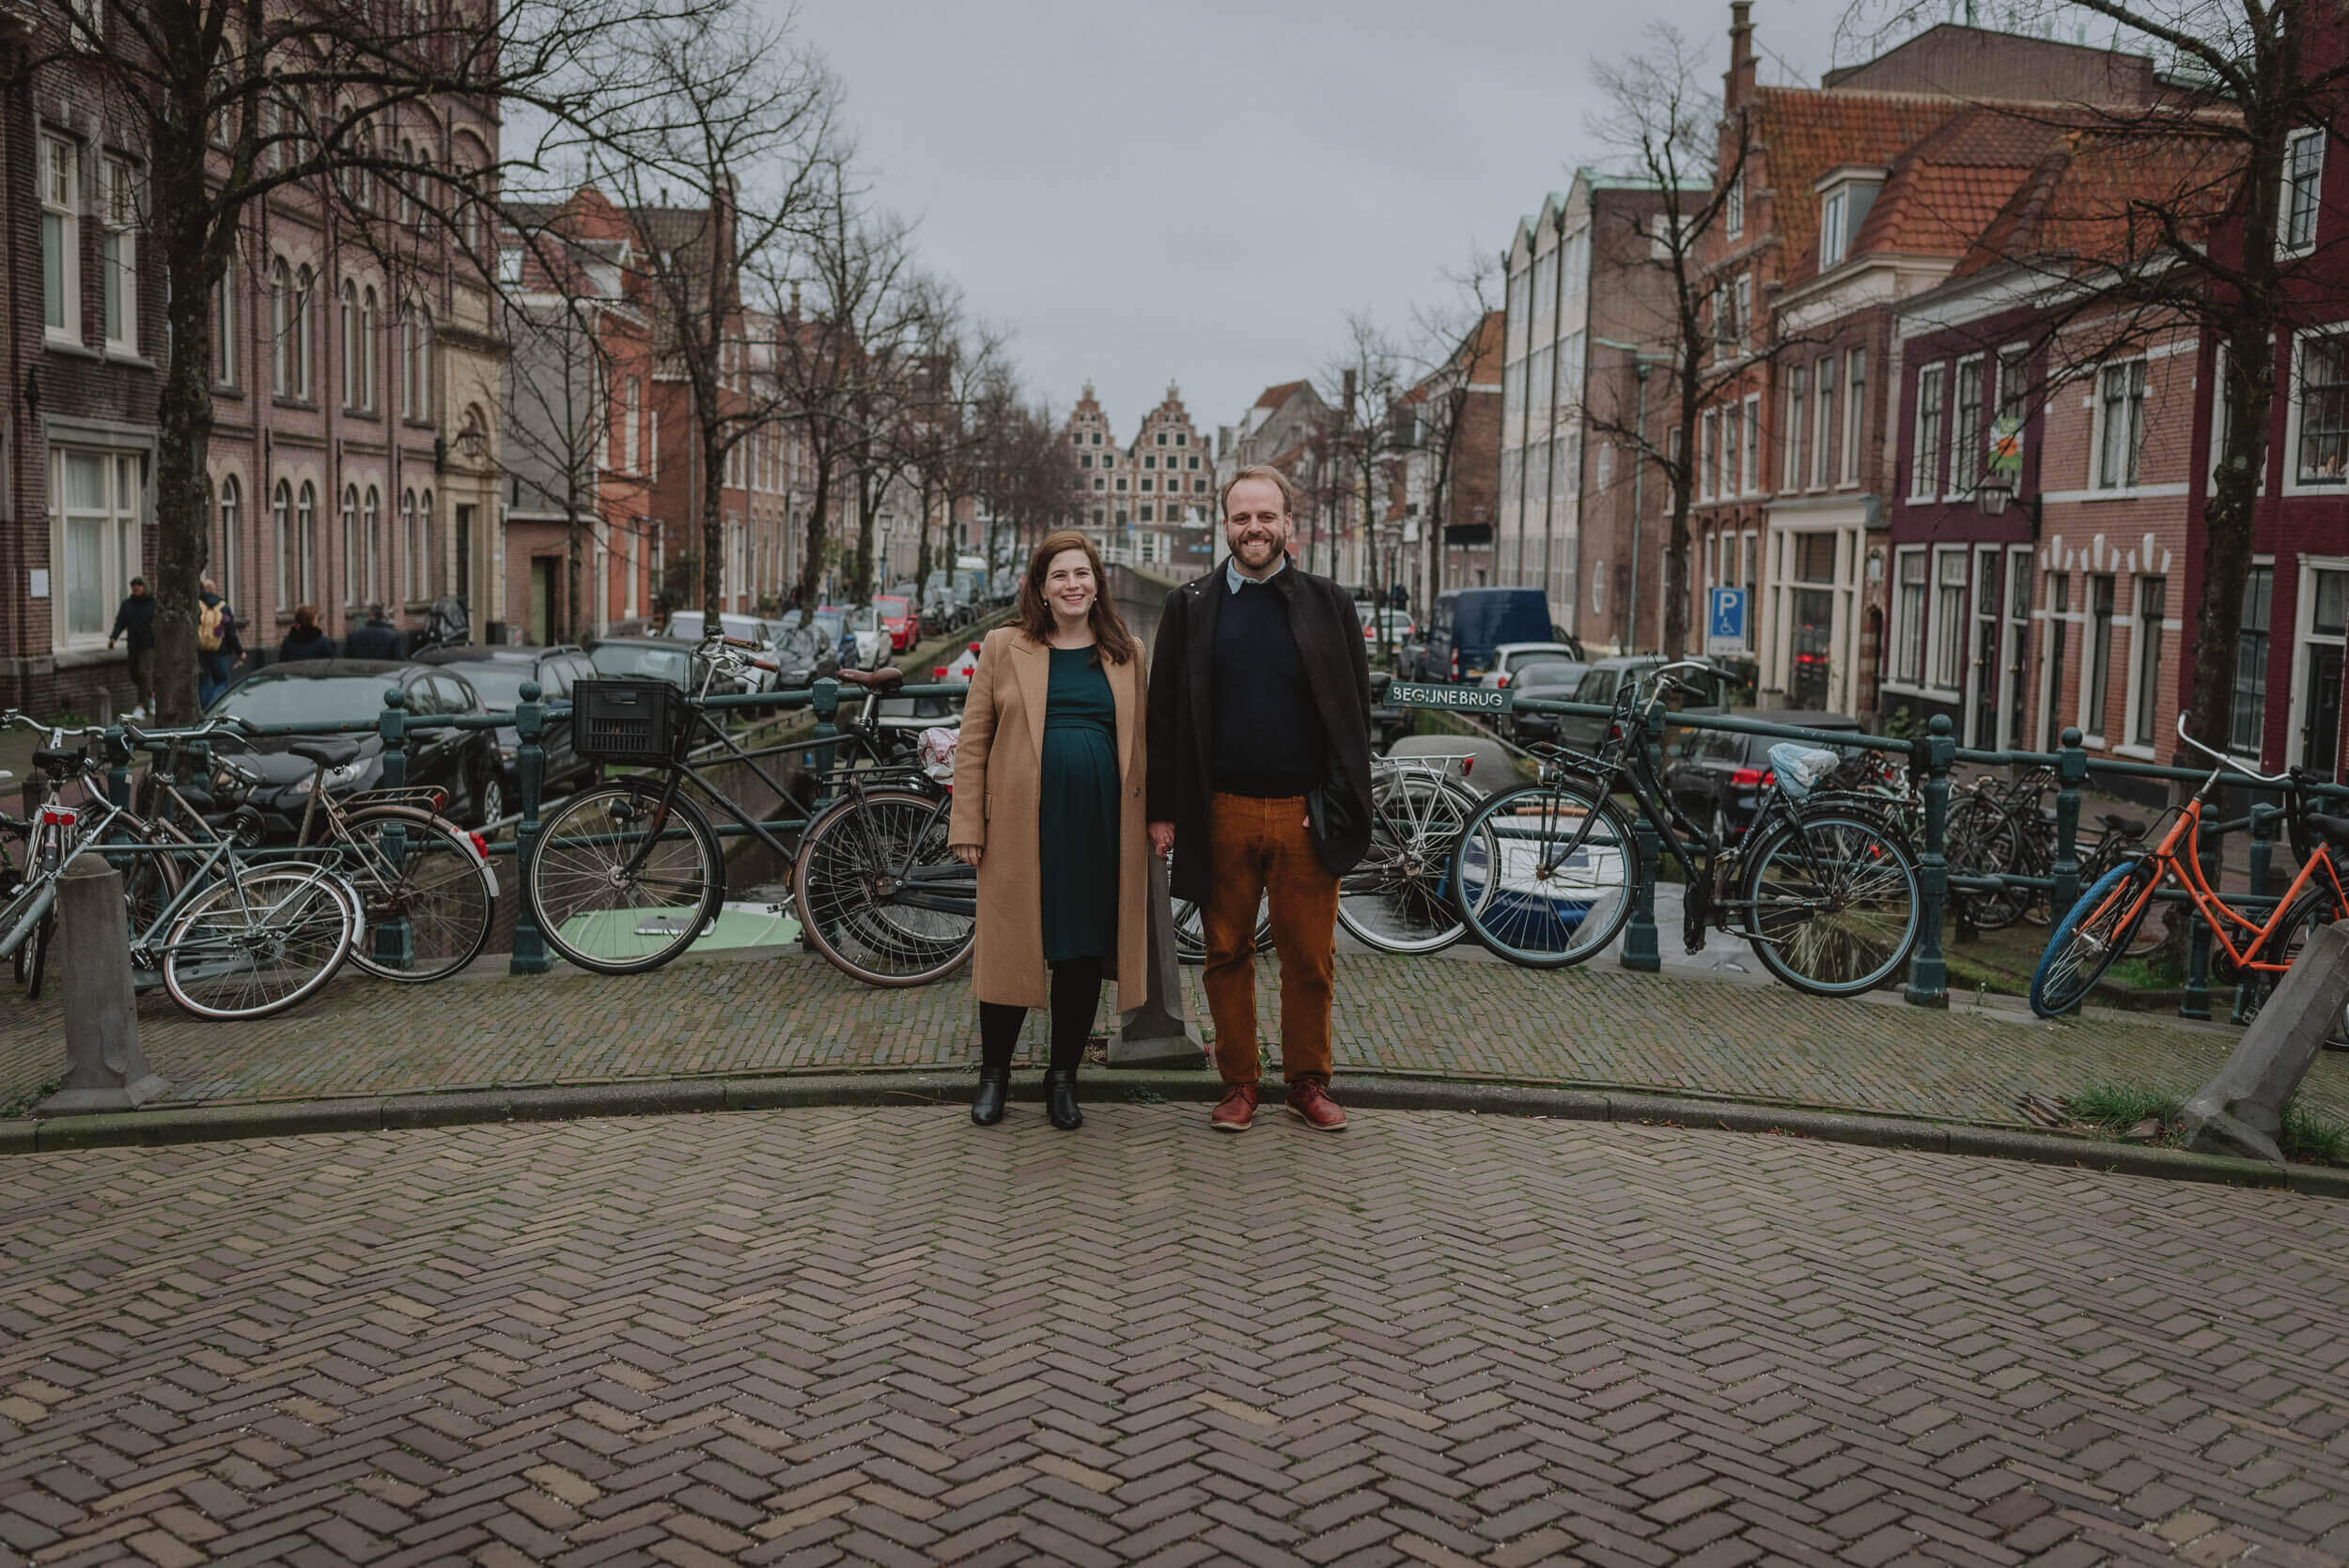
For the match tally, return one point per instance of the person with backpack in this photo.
(217, 645)
(136, 620)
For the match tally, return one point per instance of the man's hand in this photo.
(1161, 839)
(967, 853)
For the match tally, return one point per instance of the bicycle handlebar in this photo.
(2225, 761)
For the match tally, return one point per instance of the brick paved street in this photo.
(1458, 1013)
(880, 1335)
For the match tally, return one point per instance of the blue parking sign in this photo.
(1725, 621)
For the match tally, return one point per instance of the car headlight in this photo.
(344, 777)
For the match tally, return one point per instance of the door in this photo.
(1814, 639)
(2321, 673)
(542, 597)
(1983, 675)
(464, 561)
(2059, 628)
(2013, 677)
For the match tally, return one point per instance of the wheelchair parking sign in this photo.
(1725, 621)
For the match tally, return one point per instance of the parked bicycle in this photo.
(233, 938)
(628, 875)
(2002, 829)
(2098, 930)
(1826, 893)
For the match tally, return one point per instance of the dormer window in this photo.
(1845, 196)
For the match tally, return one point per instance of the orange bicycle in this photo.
(2096, 932)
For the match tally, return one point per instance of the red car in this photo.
(899, 620)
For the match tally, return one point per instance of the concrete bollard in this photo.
(2241, 1110)
(106, 1070)
(1156, 1034)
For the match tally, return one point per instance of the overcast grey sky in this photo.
(1199, 192)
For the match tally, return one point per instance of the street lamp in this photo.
(1640, 361)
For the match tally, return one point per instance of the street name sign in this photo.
(1457, 699)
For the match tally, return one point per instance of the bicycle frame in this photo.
(2215, 912)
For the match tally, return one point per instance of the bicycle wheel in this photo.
(33, 958)
(1983, 839)
(619, 884)
(1191, 929)
(877, 892)
(1544, 875)
(2315, 907)
(1831, 904)
(1398, 896)
(425, 897)
(2096, 934)
(258, 941)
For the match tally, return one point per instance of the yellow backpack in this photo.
(208, 621)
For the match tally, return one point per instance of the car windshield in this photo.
(686, 626)
(866, 619)
(892, 608)
(748, 628)
(800, 645)
(1550, 672)
(634, 661)
(500, 681)
(270, 698)
(828, 622)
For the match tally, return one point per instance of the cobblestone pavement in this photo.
(1458, 1013)
(881, 1335)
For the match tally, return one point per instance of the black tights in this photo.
(1076, 999)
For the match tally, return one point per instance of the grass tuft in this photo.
(2117, 1109)
(2308, 1139)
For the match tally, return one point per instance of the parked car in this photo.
(862, 624)
(462, 764)
(1604, 679)
(691, 625)
(1468, 623)
(900, 618)
(1510, 658)
(1721, 776)
(1384, 627)
(1551, 680)
(496, 674)
(941, 608)
(650, 658)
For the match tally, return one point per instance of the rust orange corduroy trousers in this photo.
(1259, 848)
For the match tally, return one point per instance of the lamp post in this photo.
(1642, 360)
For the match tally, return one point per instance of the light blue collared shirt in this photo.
(1233, 577)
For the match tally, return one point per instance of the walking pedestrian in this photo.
(306, 639)
(1260, 785)
(376, 638)
(218, 643)
(136, 620)
(1047, 807)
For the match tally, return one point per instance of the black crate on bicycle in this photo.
(640, 722)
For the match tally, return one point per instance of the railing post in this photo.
(1928, 974)
(2195, 1004)
(824, 699)
(2071, 772)
(117, 766)
(530, 760)
(2248, 985)
(391, 725)
(1640, 951)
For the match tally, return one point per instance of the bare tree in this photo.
(736, 122)
(1361, 385)
(1449, 345)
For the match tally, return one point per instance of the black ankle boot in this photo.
(1060, 1098)
(986, 1106)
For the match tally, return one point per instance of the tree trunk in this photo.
(713, 527)
(184, 421)
(819, 525)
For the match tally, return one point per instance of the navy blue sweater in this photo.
(1268, 738)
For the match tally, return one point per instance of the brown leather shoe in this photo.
(1235, 1110)
(1310, 1103)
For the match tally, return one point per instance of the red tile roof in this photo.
(1804, 132)
(1276, 395)
(2103, 197)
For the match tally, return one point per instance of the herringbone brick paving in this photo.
(883, 1336)
(1455, 1014)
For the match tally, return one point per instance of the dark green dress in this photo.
(1076, 816)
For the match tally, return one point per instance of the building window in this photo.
(1733, 205)
(2120, 424)
(1191, 461)
(634, 417)
(282, 549)
(1791, 464)
(2323, 398)
(2013, 378)
(410, 547)
(2304, 176)
(2099, 654)
(118, 255)
(1708, 453)
(300, 356)
(229, 553)
(1949, 618)
(2247, 716)
(60, 238)
(1823, 425)
(225, 327)
(370, 374)
(354, 355)
(96, 540)
(1924, 480)
(371, 536)
(350, 544)
(1834, 228)
(280, 329)
(1965, 448)
(1908, 612)
(1121, 482)
(1855, 403)
(305, 533)
(1732, 453)
(2151, 591)
(1750, 476)
(1145, 511)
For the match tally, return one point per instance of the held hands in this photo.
(967, 853)
(1161, 839)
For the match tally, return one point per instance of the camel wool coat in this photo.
(999, 780)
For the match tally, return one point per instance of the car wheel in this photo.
(490, 797)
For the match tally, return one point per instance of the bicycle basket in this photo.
(1800, 768)
(639, 721)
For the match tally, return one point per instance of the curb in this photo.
(675, 1096)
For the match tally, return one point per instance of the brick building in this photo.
(1456, 544)
(1151, 503)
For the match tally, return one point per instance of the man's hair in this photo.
(1258, 471)
(138, 582)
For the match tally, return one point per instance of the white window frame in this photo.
(1734, 206)
(2137, 400)
(1926, 454)
(1855, 379)
(2292, 210)
(2141, 648)
(1708, 448)
(2094, 651)
(2303, 636)
(1958, 484)
(1749, 476)
(2296, 482)
(1907, 637)
(229, 518)
(1946, 621)
(225, 360)
(61, 193)
(1794, 409)
(118, 254)
(1834, 228)
(1822, 379)
(119, 519)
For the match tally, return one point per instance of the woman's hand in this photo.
(967, 853)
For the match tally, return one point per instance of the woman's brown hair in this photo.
(1109, 635)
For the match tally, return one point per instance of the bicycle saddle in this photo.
(2133, 827)
(879, 680)
(326, 753)
(2332, 829)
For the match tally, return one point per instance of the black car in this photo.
(1604, 681)
(1553, 680)
(496, 674)
(1720, 780)
(462, 764)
